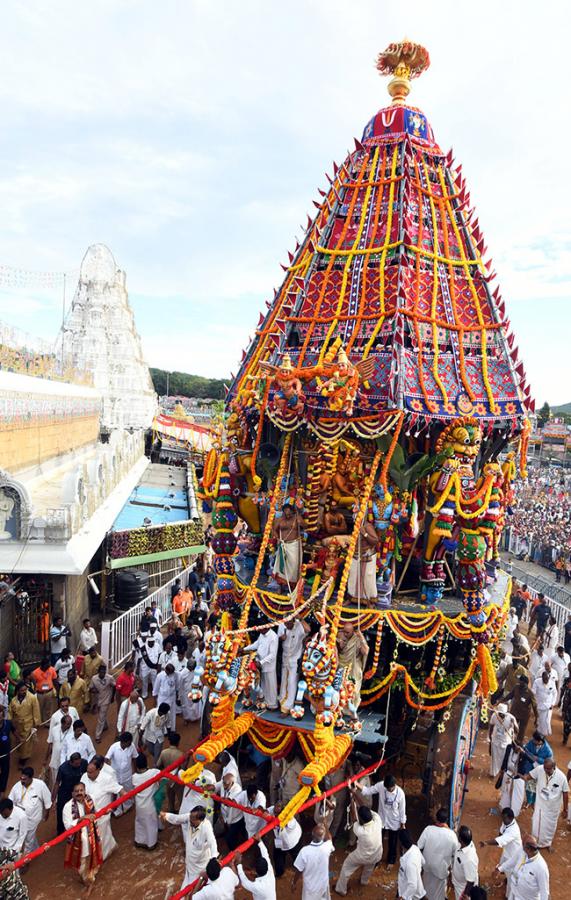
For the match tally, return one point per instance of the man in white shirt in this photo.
(560, 663)
(64, 664)
(264, 885)
(219, 884)
(409, 883)
(13, 826)
(438, 844)
(31, 795)
(503, 730)
(545, 695)
(200, 843)
(77, 742)
(146, 816)
(154, 729)
(191, 798)
(121, 755)
(148, 652)
(164, 690)
(292, 635)
(266, 647)
(168, 654)
(255, 799)
(509, 839)
(552, 793)
(233, 818)
(391, 809)
(286, 840)
(530, 880)
(87, 637)
(131, 714)
(368, 829)
(312, 864)
(60, 725)
(465, 865)
(229, 766)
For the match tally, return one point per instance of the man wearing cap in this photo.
(552, 793)
(503, 729)
(530, 880)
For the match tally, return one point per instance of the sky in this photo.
(191, 137)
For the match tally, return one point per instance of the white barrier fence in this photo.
(560, 611)
(117, 635)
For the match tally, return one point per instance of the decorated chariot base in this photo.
(362, 479)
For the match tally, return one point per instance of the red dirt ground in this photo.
(155, 876)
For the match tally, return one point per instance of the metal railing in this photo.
(117, 635)
(560, 611)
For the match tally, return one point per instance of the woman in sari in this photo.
(14, 673)
(83, 849)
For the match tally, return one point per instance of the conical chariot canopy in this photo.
(392, 272)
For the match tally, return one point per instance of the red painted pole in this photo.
(268, 827)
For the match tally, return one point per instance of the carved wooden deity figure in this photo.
(462, 517)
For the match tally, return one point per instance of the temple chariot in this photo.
(363, 475)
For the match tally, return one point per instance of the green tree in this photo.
(543, 415)
(184, 385)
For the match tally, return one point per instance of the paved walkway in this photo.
(539, 578)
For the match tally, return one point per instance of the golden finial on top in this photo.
(404, 61)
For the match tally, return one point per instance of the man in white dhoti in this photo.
(146, 816)
(121, 756)
(503, 729)
(83, 851)
(32, 796)
(368, 829)
(512, 788)
(60, 727)
(131, 714)
(551, 794)
(509, 839)
(286, 532)
(165, 691)
(438, 844)
(560, 664)
(191, 709)
(292, 635)
(362, 583)
(545, 695)
(200, 843)
(102, 787)
(530, 880)
(149, 652)
(266, 647)
(409, 884)
(312, 864)
(192, 798)
(550, 636)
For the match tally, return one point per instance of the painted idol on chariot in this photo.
(362, 478)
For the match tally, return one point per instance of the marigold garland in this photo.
(209, 750)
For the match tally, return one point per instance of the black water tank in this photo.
(131, 586)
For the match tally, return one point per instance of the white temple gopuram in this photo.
(100, 338)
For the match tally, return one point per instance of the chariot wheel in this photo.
(451, 752)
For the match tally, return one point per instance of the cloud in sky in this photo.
(191, 137)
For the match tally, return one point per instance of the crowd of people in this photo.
(142, 706)
(539, 529)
